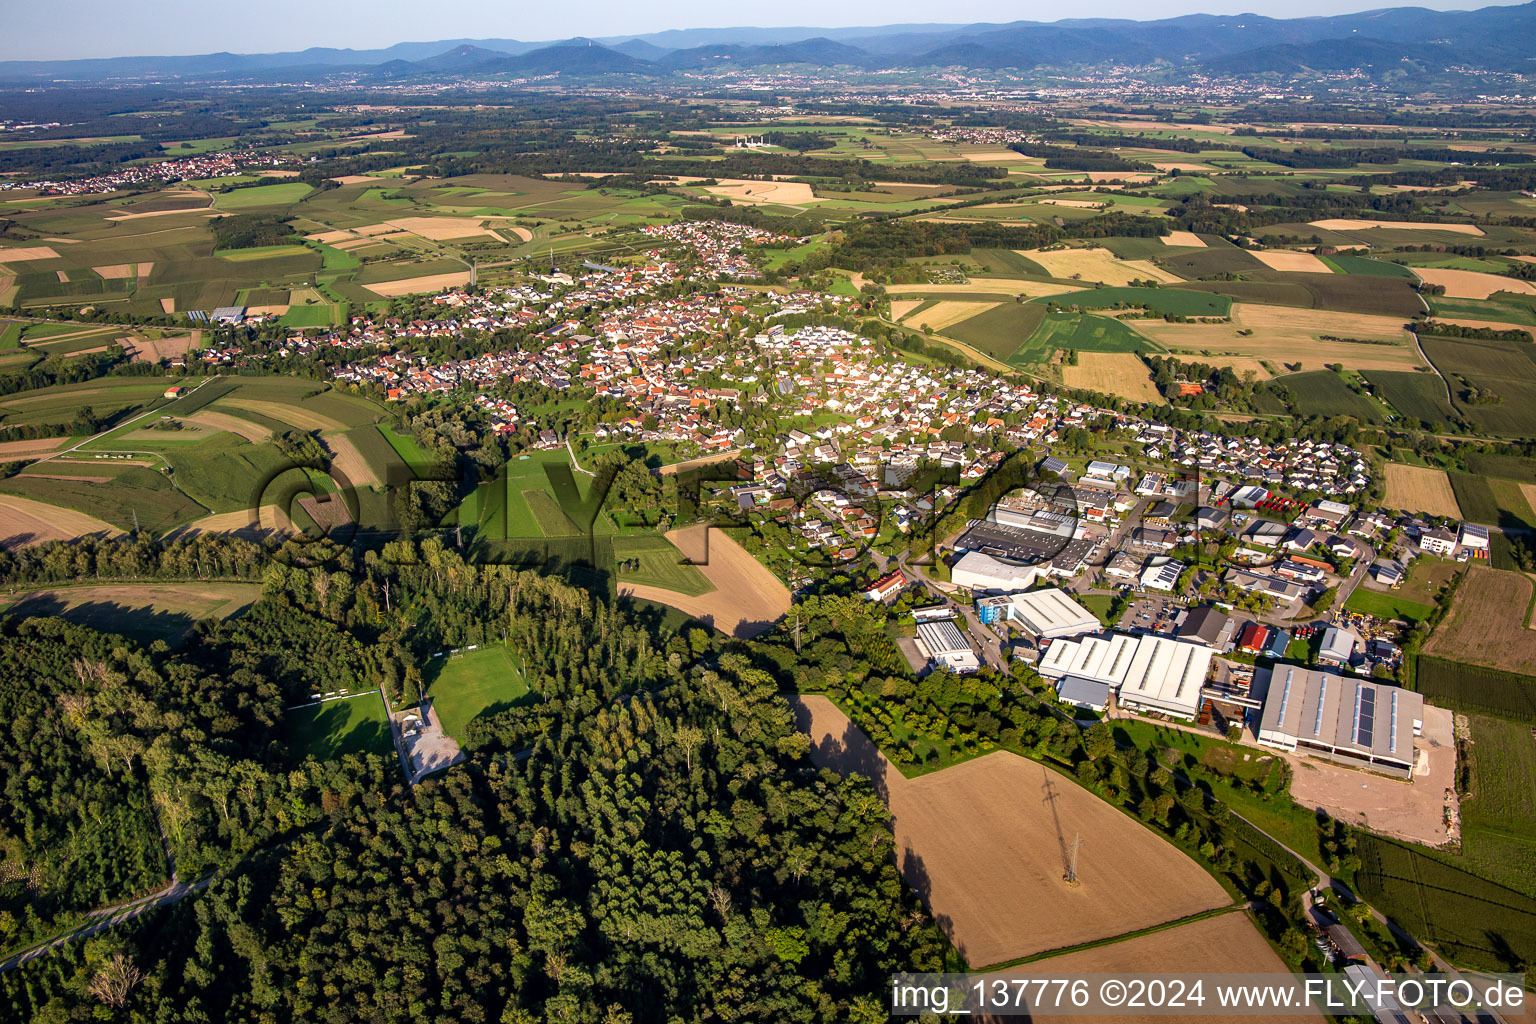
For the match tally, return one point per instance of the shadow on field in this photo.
(325, 733)
(145, 625)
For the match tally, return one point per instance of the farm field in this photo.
(1487, 624)
(334, 728)
(24, 521)
(660, 565)
(140, 611)
(1493, 501)
(1112, 373)
(999, 330)
(1506, 369)
(1470, 920)
(1093, 264)
(1289, 339)
(1176, 301)
(1325, 393)
(1420, 489)
(1082, 332)
(983, 843)
(1224, 943)
(1419, 396)
(748, 600)
(1472, 284)
(466, 685)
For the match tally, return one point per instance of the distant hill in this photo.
(1496, 38)
(819, 51)
(462, 58)
(577, 57)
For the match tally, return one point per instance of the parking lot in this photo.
(1152, 614)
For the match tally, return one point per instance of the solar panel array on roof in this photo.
(1365, 715)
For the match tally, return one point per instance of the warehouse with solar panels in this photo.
(1358, 722)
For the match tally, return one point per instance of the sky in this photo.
(112, 28)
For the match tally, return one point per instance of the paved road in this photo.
(991, 646)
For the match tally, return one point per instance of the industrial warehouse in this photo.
(1045, 614)
(1353, 721)
(1148, 673)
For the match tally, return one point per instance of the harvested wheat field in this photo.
(1346, 224)
(430, 283)
(1486, 624)
(331, 237)
(24, 522)
(753, 192)
(363, 179)
(1184, 238)
(441, 229)
(1470, 284)
(1224, 944)
(11, 451)
(152, 350)
(168, 305)
(304, 419)
(748, 599)
(1420, 489)
(349, 461)
(22, 255)
(1287, 335)
(984, 843)
(944, 314)
(1294, 262)
(254, 432)
(1112, 373)
(1090, 264)
(252, 524)
(901, 307)
(1145, 269)
(115, 271)
(523, 234)
(985, 286)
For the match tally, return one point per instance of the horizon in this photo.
(99, 30)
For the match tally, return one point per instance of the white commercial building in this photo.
(1050, 613)
(978, 571)
(1166, 676)
(946, 647)
(1150, 673)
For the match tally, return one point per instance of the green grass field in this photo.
(660, 564)
(1082, 332)
(1492, 500)
(334, 728)
(283, 194)
(1325, 393)
(407, 449)
(464, 686)
(1387, 605)
(1419, 396)
(1507, 369)
(1344, 263)
(1001, 330)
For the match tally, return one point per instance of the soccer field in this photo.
(325, 731)
(465, 686)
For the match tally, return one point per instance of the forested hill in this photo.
(665, 851)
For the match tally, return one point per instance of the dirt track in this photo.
(747, 600)
(985, 843)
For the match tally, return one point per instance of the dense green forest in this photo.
(648, 842)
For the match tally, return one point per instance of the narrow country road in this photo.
(109, 917)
